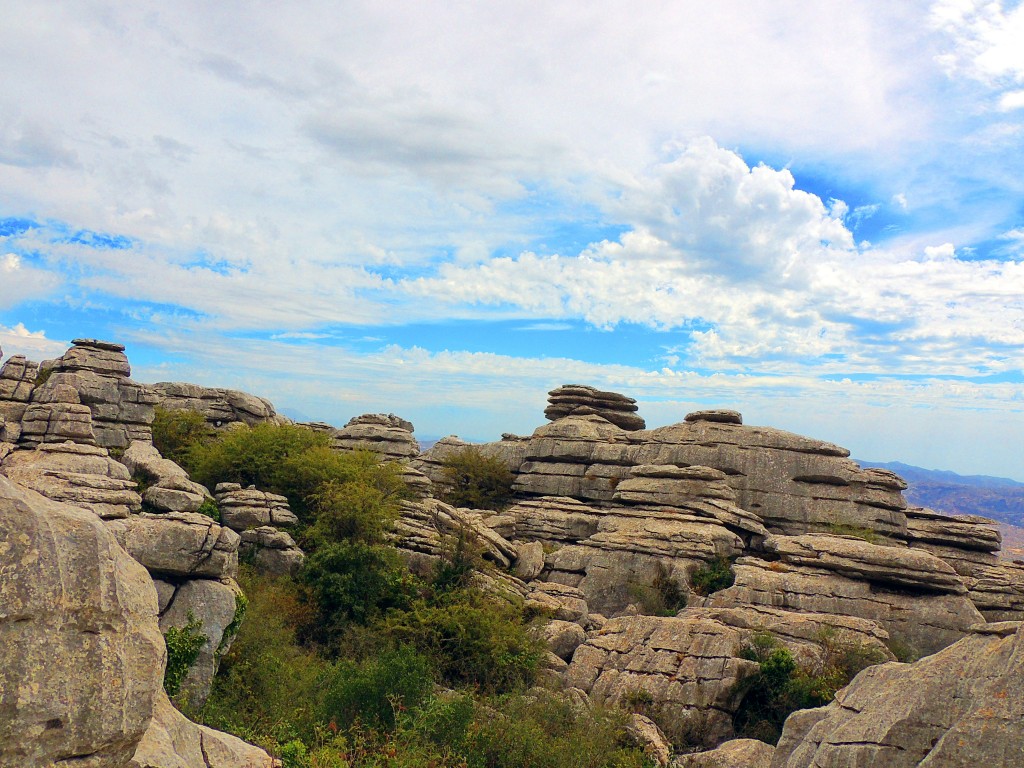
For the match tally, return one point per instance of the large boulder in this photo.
(244, 508)
(685, 672)
(82, 475)
(169, 487)
(120, 409)
(179, 544)
(271, 551)
(383, 433)
(17, 379)
(81, 657)
(959, 707)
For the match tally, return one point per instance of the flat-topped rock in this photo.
(170, 488)
(81, 475)
(271, 551)
(106, 346)
(858, 559)
(179, 544)
(105, 358)
(717, 415)
(56, 423)
(241, 509)
(958, 531)
(926, 621)
(220, 407)
(384, 434)
(17, 378)
(997, 590)
(581, 400)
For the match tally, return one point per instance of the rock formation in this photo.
(244, 508)
(220, 407)
(580, 400)
(384, 434)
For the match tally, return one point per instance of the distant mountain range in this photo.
(999, 498)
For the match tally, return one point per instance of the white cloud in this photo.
(19, 340)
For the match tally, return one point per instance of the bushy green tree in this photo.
(175, 431)
(474, 480)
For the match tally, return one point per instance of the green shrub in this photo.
(782, 686)
(373, 693)
(474, 480)
(256, 455)
(42, 377)
(268, 686)
(241, 608)
(352, 581)
(712, 576)
(175, 431)
(460, 559)
(210, 509)
(183, 647)
(363, 509)
(472, 639)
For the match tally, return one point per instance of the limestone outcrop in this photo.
(81, 658)
(431, 527)
(960, 707)
(244, 508)
(385, 434)
(120, 409)
(686, 671)
(17, 379)
(271, 551)
(179, 544)
(169, 488)
(581, 400)
(82, 475)
(220, 407)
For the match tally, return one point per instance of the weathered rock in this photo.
(687, 670)
(242, 509)
(510, 450)
(738, 753)
(220, 407)
(998, 591)
(646, 734)
(858, 559)
(121, 410)
(173, 741)
(970, 532)
(82, 475)
(557, 601)
(384, 434)
(17, 378)
(563, 637)
(927, 621)
(56, 423)
(959, 707)
(530, 561)
(432, 527)
(179, 544)
(215, 605)
(716, 415)
(170, 489)
(80, 655)
(271, 551)
(795, 484)
(580, 400)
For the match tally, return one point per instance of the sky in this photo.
(809, 212)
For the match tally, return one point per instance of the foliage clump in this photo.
(713, 576)
(183, 647)
(476, 481)
(176, 430)
(783, 686)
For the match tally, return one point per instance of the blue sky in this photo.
(815, 218)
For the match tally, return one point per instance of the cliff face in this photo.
(610, 521)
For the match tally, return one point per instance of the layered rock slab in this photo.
(220, 407)
(81, 657)
(179, 544)
(385, 434)
(582, 400)
(961, 706)
(687, 668)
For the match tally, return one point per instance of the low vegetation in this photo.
(477, 481)
(713, 576)
(183, 647)
(783, 686)
(358, 662)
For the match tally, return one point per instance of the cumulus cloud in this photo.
(19, 340)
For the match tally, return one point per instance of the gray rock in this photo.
(581, 400)
(959, 707)
(563, 637)
(384, 434)
(716, 415)
(530, 561)
(82, 475)
(17, 378)
(646, 734)
(173, 741)
(271, 551)
(81, 657)
(213, 604)
(179, 544)
(687, 671)
(927, 621)
(242, 509)
(220, 407)
(738, 753)
(432, 527)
